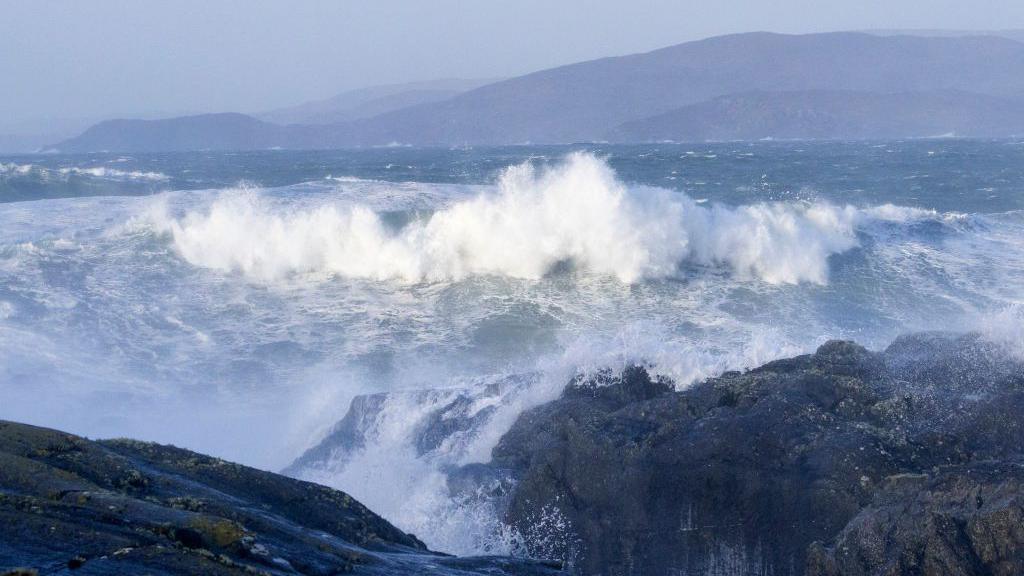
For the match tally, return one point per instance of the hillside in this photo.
(227, 131)
(830, 114)
(937, 78)
(369, 102)
(583, 101)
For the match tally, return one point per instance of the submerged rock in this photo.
(126, 507)
(845, 461)
(436, 419)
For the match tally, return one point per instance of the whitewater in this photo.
(237, 304)
(577, 214)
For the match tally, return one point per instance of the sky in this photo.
(96, 59)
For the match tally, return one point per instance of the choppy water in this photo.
(234, 303)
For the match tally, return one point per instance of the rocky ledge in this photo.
(845, 461)
(126, 507)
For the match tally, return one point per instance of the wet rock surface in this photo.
(445, 417)
(906, 461)
(960, 520)
(126, 507)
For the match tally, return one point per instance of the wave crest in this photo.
(9, 170)
(115, 174)
(532, 221)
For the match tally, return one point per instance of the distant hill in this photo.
(27, 135)
(940, 79)
(227, 131)
(583, 101)
(370, 102)
(829, 114)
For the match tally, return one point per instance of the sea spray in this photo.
(386, 465)
(247, 335)
(576, 213)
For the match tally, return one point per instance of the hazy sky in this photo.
(90, 58)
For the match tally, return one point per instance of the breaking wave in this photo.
(116, 306)
(531, 223)
(114, 174)
(10, 170)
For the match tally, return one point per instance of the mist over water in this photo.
(235, 304)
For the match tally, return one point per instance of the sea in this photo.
(236, 303)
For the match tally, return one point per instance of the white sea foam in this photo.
(909, 214)
(99, 172)
(410, 489)
(389, 476)
(894, 213)
(114, 174)
(12, 168)
(109, 316)
(577, 213)
(1005, 327)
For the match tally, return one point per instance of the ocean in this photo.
(235, 303)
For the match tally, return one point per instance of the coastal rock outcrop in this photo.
(960, 520)
(845, 461)
(127, 507)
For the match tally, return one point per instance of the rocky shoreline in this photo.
(845, 461)
(127, 507)
(907, 461)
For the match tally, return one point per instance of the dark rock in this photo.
(461, 414)
(126, 507)
(840, 462)
(961, 520)
(347, 436)
(454, 412)
(634, 384)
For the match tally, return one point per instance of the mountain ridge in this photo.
(589, 101)
(368, 102)
(829, 115)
